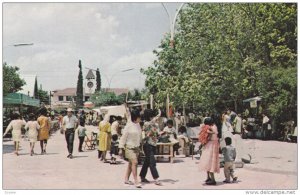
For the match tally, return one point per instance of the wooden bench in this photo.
(165, 150)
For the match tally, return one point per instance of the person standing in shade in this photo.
(265, 124)
(151, 131)
(45, 125)
(114, 133)
(81, 134)
(130, 146)
(104, 137)
(238, 124)
(33, 127)
(15, 125)
(70, 122)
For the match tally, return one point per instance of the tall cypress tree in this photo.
(79, 91)
(36, 95)
(98, 80)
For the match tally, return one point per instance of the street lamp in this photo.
(172, 23)
(172, 43)
(22, 44)
(115, 75)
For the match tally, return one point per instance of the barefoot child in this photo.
(229, 153)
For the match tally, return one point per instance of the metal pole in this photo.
(151, 101)
(172, 23)
(50, 99)
(168, 106)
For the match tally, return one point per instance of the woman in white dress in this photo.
(226, 128)
(16, 125)
(33, 126)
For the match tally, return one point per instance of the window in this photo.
(87, 98)
(69, 98)
(60, 98)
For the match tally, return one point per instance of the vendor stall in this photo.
(252, 111)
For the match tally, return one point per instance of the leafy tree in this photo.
(11, 79)
(225, 53)
(98, 80)
(137, 95)
(43, 96)
(122, 97)
(79, 91)
(101, 98)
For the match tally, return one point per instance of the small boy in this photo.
(229, 153)
(170, 131)
(81, 135)
(114, 148)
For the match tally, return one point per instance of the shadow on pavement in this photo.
(89, 150)
(120, 162)
(167, 161)
(48, 154)
(24, 154)
(178, 161)
(218, 184)
(8, 149)
(80, 156)
(169, 181)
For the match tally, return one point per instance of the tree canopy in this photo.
(98, 80)
(227, 52)
(79, 91)
(11, 79)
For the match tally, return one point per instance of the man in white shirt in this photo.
(130, 145)
(70, 123)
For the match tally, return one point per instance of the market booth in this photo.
(252, 111)
(17, 102)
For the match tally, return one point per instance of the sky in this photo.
(109, 36)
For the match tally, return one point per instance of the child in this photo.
(204, 135)
(114, 148)
(81, 134)
(229, 158)
(170, 131)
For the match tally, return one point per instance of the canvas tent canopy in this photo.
(113, 110)
(20, 99)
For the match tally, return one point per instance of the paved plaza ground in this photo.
(274, 167)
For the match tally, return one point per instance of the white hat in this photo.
(69, 110)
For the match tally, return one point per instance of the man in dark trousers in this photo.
(70, 123)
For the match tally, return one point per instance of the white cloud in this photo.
(152, 5)
(109, 36)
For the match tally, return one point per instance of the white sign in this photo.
(253, 104)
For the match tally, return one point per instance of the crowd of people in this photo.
(38, 130)
(138, 133)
